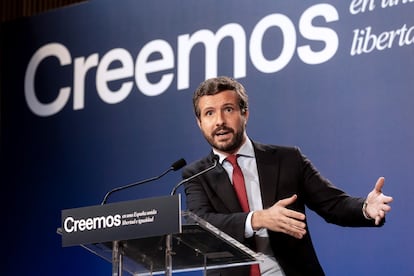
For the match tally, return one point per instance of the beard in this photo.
(229, 146)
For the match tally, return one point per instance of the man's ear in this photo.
(246, 116)
(198, 122)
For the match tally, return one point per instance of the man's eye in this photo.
(229, 109)
(209, 113)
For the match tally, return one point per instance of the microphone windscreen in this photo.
(216, 158)
(178, 164)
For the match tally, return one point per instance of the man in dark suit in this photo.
(279, 183)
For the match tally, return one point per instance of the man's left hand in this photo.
(377, 202)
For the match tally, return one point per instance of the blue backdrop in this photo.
(98, 95)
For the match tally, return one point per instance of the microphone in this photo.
(215, 159)
(174, 167)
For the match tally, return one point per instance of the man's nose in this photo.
(220, 119)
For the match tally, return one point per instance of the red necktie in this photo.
(240, 188)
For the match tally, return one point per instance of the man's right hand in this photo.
(278, 218)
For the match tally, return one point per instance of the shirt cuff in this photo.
(248, 229)
(364, 211)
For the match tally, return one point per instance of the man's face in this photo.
(221, 121)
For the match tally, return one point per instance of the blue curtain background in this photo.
(351, 115)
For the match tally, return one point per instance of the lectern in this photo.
(152, 236)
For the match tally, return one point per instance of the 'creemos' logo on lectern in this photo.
(72, 225)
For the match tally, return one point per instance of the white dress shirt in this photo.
(247, 162)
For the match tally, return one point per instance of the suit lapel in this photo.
(220, 183)
(268, 170)
(225, 191)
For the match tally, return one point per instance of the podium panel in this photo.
(121, 221)
(197, 246)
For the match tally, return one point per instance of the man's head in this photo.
(221, 108)
(216, 85)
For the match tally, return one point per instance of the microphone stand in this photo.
(175, 166)
(117, 248)
(133, 184)
(168, 239)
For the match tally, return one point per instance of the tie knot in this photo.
(232, 159)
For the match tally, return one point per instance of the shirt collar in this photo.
(245, 150)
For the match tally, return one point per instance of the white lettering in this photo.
(82, 66)
(144, 67)
(326, 35)
(365, 41)
(358, 6)
(211, 43)
(154, 63)
(105, 75)
(74, 225)
(289, 43)
(68, 224)
(46, 109)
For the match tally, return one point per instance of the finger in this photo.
(292, 222)
(294, 214)
(294, 225)
(377, 220)
(295, 231)
(298, 225)
(296, 235)
(387, 199)
(381, 214)
(379, 184)
(386, 208)
(287, 201)
(293, 234)
(379, 217)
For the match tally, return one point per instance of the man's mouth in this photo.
(222, 132)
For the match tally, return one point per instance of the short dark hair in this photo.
(216, 85)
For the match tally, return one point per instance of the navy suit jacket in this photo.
(283, 171)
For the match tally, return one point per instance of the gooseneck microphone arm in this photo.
(174, 167)
(168, 238)
(215, 159)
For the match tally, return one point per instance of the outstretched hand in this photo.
(377, 202)
(278, 218)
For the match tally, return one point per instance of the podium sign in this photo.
(152, 236)
(121, 221)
